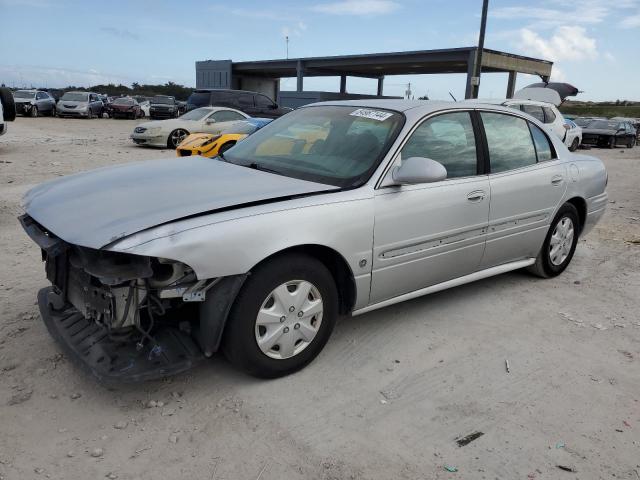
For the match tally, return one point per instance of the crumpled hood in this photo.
(24, 100)
(95, 208)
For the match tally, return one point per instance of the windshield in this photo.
(23, 94)
(604, 125)
(197, 114)
(123, 101)
(199, 99)
(163, 100)
(75, 97)
(242, 127)
(583, 122)
(335, 145)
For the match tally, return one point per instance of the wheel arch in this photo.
(335, 263)
(581, 205)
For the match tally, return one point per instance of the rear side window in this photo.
(534, 110)
(509, 142)
(448, 139)
(543, 145)
(263, 102)
(245, 100)
(549, 116)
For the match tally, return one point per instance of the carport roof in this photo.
(452, 60)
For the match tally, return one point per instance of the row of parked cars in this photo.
(609, 132)
(34, 103)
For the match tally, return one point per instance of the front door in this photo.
(429, 233)
(527, 183)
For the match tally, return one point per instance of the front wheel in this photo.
(53, 112)
(631, 142)
(559, 245)
(282, 317)
(612, 142)
(176, 137)
(34, 111)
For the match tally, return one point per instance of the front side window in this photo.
(509, 142)
(334, 145)
(226, 116)
(40, 96)
(543, 145)
(448, 139)
(534, 110)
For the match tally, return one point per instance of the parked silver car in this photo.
(337, 208)
(80, 104)
(32, 103)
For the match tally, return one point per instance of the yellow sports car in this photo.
(210, 145)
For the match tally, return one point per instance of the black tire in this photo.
(53, 111)
(544, 267)
(239, 340)
(631, 143)
(574, 145)
(8, 105)
(225, 147)
(611, 142)
(34, 112)
(89, 114)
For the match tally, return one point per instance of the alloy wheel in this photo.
(561, 241)
(289, 319)
(177, 136)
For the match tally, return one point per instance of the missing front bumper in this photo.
(112, 361)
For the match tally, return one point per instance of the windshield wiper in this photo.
(262, 168)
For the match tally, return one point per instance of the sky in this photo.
(594, 44)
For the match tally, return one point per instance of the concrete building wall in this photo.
(213, 74)
(294, 99)
(267, 86)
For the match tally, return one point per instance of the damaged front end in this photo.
(128, 317)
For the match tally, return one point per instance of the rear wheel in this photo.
(574, 144)
(282, 317)
(176, 137)
(559, 245)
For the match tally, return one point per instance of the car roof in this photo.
(510, 101)
(227, 90)
(421, 106)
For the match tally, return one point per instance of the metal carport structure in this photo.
(228, 74)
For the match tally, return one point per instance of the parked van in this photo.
(252, 103)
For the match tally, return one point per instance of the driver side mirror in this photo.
(211, 120)
(419, 170)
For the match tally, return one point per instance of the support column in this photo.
(343, 84)
(300, 75)
(380, 85)
(511, 84)
(471, 68)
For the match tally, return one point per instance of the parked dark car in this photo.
(251, 103)
(163, 106)
(32, 103)
(182, 107)
(125, 107)
(635, 123)
(609, 133)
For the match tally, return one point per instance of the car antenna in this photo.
(454, 98)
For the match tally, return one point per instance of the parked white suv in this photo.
(547, 113)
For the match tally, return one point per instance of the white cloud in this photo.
(558, 75)
(357, 7)
(590, 12)
(566, 43)
(632, 21)
(295, 30)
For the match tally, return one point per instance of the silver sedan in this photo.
(334, 209)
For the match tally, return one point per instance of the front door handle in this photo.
(557, 180)
(476, 196)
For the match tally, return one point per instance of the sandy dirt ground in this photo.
(387, 397)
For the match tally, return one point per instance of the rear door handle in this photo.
(557, 180)
(476, 196)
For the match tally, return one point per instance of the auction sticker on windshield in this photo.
(372, 114)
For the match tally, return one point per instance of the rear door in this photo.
(428, 233)
(527, 182)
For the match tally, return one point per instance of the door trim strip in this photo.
(472, 277)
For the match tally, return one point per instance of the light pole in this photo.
(475, 86)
